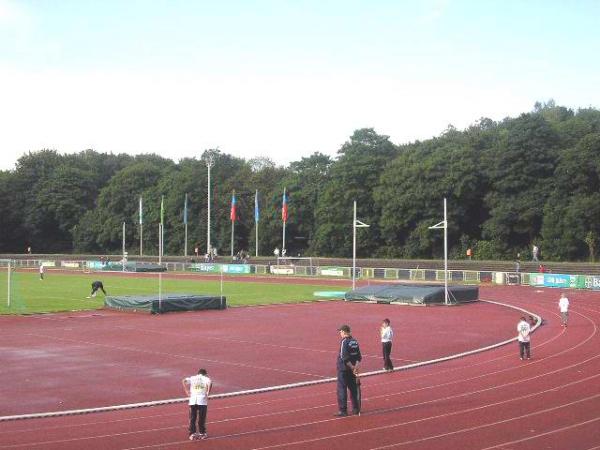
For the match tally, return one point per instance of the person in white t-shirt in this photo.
(41, 271)
(198, 387)
(563, 306)
(523, 328)
(387, 334)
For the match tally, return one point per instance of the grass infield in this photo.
(68, 292)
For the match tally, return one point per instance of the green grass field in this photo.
(67, 292)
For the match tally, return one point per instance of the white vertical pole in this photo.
(208, 247)
(185, 244)
(159, 291)
(256, 223)
(159, 243)
(354, 248)
(9, 277)
(141, 221)
(186, 241)
(446, 300)
(284, 222)
(232, 230)
(123, 262)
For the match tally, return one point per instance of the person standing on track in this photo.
(96, 285)
(524, 329)
(387, 334)
(563, 306)
(348, 361)
(198, 391)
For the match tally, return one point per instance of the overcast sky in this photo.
(280, 78)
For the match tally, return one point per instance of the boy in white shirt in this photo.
(563, 306)
(524, 329)
(197, 388)
(387, 334)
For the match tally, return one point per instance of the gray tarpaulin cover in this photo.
(167, 302)
(421, 294)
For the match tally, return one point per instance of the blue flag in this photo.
(256, 212)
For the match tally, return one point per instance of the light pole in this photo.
(210, 160)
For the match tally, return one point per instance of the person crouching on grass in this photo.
(96, 286)
(198, 388)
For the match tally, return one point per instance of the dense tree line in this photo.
(534, 179)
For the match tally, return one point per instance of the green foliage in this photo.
(509, 184)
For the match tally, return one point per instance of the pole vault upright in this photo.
(355, 224)
(444, 224)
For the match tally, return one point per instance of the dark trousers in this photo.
(198, 412)
(346, 381)
(524, 349)
(387, 350)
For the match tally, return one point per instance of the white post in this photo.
(283, 250)
(444, 224)
(355, 224)
(354, 248)
(232, 230)
(123, 261)
(186, 240)
(141, 239)
(256, 252)
(159, 291)
(159, 243)
(9, 276)
(185, 244)
(446, 300)
(256, 222)
(209, 163)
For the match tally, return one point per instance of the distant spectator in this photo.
(196, 250)
(276, 252)
(517, 266)
(469, 253)
(29, 249)
(542, 269)
(41, 271)
(535, 251)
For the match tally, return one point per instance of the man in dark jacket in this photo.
(348, 361)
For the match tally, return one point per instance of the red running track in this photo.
(483, 401)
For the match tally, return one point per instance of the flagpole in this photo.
(283, 251)
(123, 260)
(232, 228)
(232, 216)
(256, 221)
(141, 228)
(185, 222)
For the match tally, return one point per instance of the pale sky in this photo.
(280, 78)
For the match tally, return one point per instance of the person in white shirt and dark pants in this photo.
(387, 334)
(523, 328)
(563, 306)
(198, 388)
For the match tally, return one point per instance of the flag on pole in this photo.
(141, 213)
(162, 210)
(185, 210)
(284, 207)
(233, 214)
(256, 212)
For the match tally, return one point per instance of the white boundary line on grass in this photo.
(74, 412)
